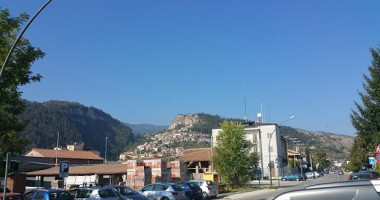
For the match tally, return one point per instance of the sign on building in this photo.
(63, 169)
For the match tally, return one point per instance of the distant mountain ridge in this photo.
(75, 123)
(146, 128)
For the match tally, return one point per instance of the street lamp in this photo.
(105, 151)
(270, 139)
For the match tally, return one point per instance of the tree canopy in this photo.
(366, 117)
(233, 158)
(16, 73)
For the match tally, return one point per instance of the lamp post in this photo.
(270, 139)
(105, 151)
(19, 37)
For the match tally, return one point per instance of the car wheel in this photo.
(204, 195)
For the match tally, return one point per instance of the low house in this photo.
(197, 160)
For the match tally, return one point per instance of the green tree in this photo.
(366, 119)
(321, 158)
(232, 158)
(17, 73)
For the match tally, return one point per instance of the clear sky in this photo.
(147, 61)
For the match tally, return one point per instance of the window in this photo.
(60, 196)
(107, 193)
(28, 196)
(254, 148)
(40, 196)
(160, 187)
(148, 188)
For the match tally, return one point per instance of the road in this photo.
(285, 186)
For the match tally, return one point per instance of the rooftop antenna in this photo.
(245, 109)
(245, 104)
(262, 118)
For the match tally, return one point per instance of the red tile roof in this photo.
(200, 154)
(51, 153)
(84, 170)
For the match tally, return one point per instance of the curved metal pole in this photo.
(19, 37)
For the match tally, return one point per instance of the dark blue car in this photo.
(52, 194)
(192, 190)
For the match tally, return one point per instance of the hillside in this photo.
(336, 146)
(75, 123)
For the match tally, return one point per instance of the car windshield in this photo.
(83, 193)
(125, 190)
(177, 187)
(210, 183)
(63, 195)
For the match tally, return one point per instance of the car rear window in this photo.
(83, 194)
(125, 190)
(107, 193)
(177, 187)
(60, 196)
(210, 183)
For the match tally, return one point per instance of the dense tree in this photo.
(17, 73)
(321, 160)
(232, 158)
(366, 119)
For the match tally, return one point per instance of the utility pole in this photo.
(56, 151)
(6, 174)
(105, 153)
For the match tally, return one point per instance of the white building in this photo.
(259, 134)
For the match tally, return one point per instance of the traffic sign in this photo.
(63, 169)
(378, 157)
(377, 149)
(372, 160)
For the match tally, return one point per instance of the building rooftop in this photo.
(67, 154)
(100, 169)
(199, 154)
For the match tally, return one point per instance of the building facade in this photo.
(259, 134)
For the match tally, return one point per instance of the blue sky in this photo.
(147, 61)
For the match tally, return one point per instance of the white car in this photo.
(316, 174)
(209, 189)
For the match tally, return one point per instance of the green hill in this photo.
(75, 123)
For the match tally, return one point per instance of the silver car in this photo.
(209, 189)
(128, 192)
(95, 193)
(163, 191)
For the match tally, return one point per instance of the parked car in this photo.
(316, 174)
(358, 190)
(12, 196)
(340, 172)
(375, 175)
(359, 176)
(292, 177)
(163, 191)
(310, 175)
(209, 189)
(364, 175)
(127, 192)
(192, 190)
(92, 193)
(52, 194)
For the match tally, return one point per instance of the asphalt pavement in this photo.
(283, 186)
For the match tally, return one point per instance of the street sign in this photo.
(377, 149)
(372, 160)
(63, 169)
(378, 157)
